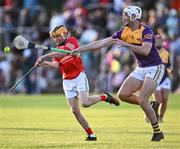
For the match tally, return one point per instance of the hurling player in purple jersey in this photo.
(140, 39)
(162, 91)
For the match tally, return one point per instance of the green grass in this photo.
(31, 122)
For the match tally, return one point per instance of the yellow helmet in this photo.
(58, 30)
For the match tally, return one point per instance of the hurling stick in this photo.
(22, 78)
(21, 43)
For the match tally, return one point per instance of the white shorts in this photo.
(166, 84)
(154, 72)
(72, 87)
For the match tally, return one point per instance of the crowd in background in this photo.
(88, 20)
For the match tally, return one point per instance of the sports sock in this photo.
(89, 132)
(156, 127)
(103, 97)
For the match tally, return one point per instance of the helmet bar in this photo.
(58, 30)
(133, 10)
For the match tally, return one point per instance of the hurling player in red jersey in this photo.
(75, 83)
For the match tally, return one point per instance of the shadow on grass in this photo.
(73, 130)
(39, 129)
(140, 132)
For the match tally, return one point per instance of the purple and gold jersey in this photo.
(137, 37)
(165, 57)
(164, 54)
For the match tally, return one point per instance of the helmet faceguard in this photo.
(134, 12)
(58, 31)
(59, 34)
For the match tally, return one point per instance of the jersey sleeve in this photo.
(169, 63)
(55, 59)
(147, 35)
(117, 35)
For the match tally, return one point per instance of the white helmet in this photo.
(133, 10)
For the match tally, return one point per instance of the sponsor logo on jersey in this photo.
(148, 36)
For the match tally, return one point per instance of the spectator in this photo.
(172, 23)
(29, 18)
(56, 19)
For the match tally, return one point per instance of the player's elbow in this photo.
(146, 48)
(146, 51)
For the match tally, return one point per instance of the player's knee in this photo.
(142, 101)
(122, 95)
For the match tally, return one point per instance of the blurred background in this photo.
(88, 20)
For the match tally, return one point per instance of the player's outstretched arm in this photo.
(96, 45)
(54, 55)
(53, 65)
(144, 49)
(41, 60)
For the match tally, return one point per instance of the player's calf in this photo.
(86, 105)
(160, 120)
(155, 106)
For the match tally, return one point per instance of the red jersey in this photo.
(70, 66)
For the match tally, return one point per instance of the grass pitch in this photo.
(34, 122)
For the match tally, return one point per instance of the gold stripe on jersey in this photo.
(164, 54)
(133, 37)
